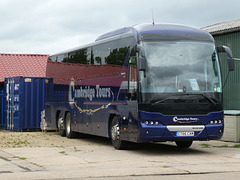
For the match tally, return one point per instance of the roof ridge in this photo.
(222, 23)
(8, 54)
(223, 27)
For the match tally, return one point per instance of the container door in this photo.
(9, 113)
(7, 88)
(12, 104)
(33, 101)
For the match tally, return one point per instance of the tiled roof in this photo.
(223, 27)
(12, 65)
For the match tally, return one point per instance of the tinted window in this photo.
(82, 56)
(58, 58)
(114, 52)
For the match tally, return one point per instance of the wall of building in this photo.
(231, 91)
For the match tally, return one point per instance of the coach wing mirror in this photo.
(230, 59)
(142, 63)
(141, 58)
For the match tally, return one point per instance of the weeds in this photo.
(63, 152)
(35, 164)
(205, 145)
(236, 146)
(22, 158)
(156, 161)
(227, 146)
(220, 146)
(165, 166)
(76, 150)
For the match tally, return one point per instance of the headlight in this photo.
(216, 122)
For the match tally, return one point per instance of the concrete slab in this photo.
(94, 158)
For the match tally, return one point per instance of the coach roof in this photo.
(161, 31)
(152, 32)
(171, 32)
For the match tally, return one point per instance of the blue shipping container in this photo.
(24, 97)
(1, 108)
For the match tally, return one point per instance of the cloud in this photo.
(48, 26)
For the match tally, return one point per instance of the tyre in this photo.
(69, 132)
(61, 127)
(184, 144)
(115, 135)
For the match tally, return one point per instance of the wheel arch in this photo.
(58, 112)
(65, 114)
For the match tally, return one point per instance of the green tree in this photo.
(117, 56)
(98, 60)
(77, 57)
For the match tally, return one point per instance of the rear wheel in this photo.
(69, 132)
(115, 135)
(184, 144)
(61, 127)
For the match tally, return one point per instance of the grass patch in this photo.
(63, 152)
(205, 145)
(156, 161)
(236, 146)
(76, 150)
(227, 146)
(22, 158)
(222, 146)
(165, 166)
(35, 164)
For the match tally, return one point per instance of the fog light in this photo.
(151, 122)
(146, 122)
(157, 123)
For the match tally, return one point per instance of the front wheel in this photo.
(184, 144)
(115, 135)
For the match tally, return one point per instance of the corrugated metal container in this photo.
(24, 102)
(1, 108)
(231, 91)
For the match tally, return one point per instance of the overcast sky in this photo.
(50, 26)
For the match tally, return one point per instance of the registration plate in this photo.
(184, 133)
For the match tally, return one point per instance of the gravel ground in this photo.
(11, 139)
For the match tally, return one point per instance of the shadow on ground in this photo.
(167, 148)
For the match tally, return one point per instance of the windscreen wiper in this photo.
(208, 98)
(187, 94)
(162, 100)
(157, 102)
